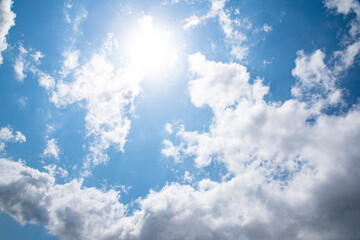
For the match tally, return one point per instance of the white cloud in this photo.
(291, 178)
(21, 64)
(215, 11)
(19, 70)
(37, 56)
(168, 128)
(347, 56)
(244, 22)
(28, 61)
(313, 73)
(267, 28)
(22, 102)
(273, 146)
(68, 5)
(107, 92)
(46, 81)
(172, 2)
(352, 49)
(217, 6)
(69, 211)
(242, 117)
(235, 37)
(266, 62)
(79, 19)
(52, 149)
(170, 150)
(7, 135)
(226, 23)
(54, 171)
(354, 27)
(237, 11)
(343, 6)
(74, 16)
(187, 177)
(6, 22)
(240, 52)
(67, 15)
(126, 9)
(295, 169)
(100, 84)
(192, 21)
(70, 62)
(220, 84)
(245, 207)
(19, 137)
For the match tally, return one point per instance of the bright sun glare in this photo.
(151, 48)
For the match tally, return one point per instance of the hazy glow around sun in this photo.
(150, 47)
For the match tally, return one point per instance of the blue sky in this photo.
(179, 119)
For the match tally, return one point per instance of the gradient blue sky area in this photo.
(209, 152)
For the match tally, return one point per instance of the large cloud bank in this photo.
(296, 171)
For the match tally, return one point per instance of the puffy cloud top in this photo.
(6, 22)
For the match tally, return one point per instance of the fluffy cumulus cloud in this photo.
(343, 6)
(220, 84)
(302, 164)
(69, 211)
(6, 22)
(245, 128)
(107, 93)
(7, 135)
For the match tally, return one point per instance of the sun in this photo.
(150, 48)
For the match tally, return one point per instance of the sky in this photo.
(180, 119)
